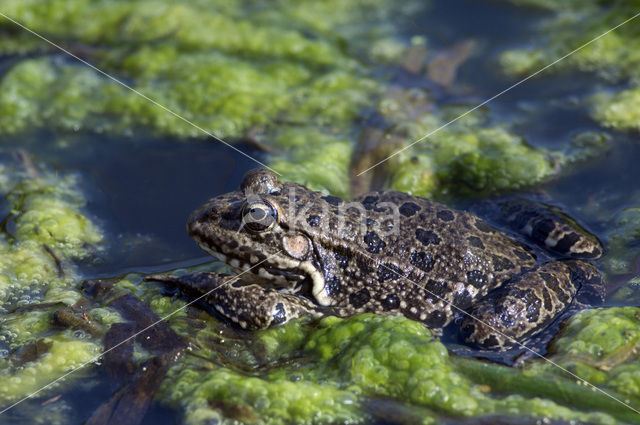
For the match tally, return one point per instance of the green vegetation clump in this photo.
(331, 371)
(226, 68)
(471, 161)
(602, 346)
(48, 232)
(300, 75)
(614, 57)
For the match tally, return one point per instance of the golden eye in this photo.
(258, 216)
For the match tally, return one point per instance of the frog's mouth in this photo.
(293, 276)
(268, 274)
(215, 229)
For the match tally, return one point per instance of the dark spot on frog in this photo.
(552, 284)
(360, 298)
(388, 271)
(422, 260)
(542, 228)
(363, 266)
(467, 329)
(408, 209)
(390, 302)
(436, 289)
(333, 200)
(333, 286)
(313, 220)
(533, 306)
(279, 316)
(523, 255)
(546, 298)
(501, 263)
(523, 218)
(232, 244)
(374, 243)
(436, 319)
(565, 244)
(427, 237)
(370, 202)
(475, 242)
(549, 280)
(476, 278)
(490, 342)
(341, 259)
(445, 215)
(483, 227)
(462, 299)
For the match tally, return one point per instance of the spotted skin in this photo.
(385, 252)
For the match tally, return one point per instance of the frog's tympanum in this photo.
(300, 252)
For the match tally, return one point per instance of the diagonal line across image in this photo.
(162, 319)
(431, 133)
(123, 84)
(255, 160)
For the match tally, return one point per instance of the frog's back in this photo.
(447, 256)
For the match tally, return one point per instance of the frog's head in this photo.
(254, 229)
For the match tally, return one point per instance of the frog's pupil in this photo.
(257, 214)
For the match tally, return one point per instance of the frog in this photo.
(303, 253)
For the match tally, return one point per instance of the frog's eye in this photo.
(258, 216)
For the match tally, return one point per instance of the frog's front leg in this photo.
(529, 302)
(249, 306)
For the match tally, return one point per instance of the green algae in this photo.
(625, 231)
(255, 74)
(603, 343)
(67, 353)
(249, 71)
(467, 158)
(327, 372)
(48, 232)
(328, 168)
(618, 110)
(613, 57)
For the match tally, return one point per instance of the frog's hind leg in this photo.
(530, 308)
(247, 305)
(545, 225)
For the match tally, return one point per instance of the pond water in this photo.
(141, 188)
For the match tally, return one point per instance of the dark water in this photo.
(142, 189)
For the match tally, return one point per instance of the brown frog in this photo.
(301, 252)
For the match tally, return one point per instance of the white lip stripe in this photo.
(431, 133)
(175, 114)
